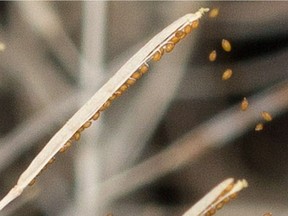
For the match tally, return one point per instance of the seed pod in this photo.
(244, 104)
(214, 13)
(259, 127)
(212, 56)
(227, 74)
(226, 45)
(266, 116)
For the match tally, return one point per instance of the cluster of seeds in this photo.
(221, 200)
(167, 47)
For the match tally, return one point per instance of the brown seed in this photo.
(187, 29)
(233, 196)
(266, 116)
(244, 104)
(144, 68)
(195, 24)
(259, 127)
(52, 160)
(136, 75)
(226, 45)
(87, 124)
(212, 211)
(157, 56)
(130, 81)
(180, 34)
(77, 136)
(123, 88)
(96, 115)
(227, 74)
(106, 104)
(32, 182)
(214, 13)
(212, 56)
(219, 205)
(66, 146)
(175, 40)
(169, 47)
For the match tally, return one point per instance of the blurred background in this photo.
(173, 136)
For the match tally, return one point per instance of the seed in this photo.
(180, 34)
(214, 13)
(130, 81)
(187, 29)
(227, 74)
(226, 45)
(106, 105)
(136, 75)
(175, 40)
(66, 146)
(77, 136)
(195, 24)
(96, 116)
(87, 124)
(212, 56)
(113, 97)
(259, 127)
(123, 88)
(169, 47)
(219, 205)
(157, 56)
(117, 94)
(144, 68)
(266, 116)
(32, 182)
(233, 196)
(244, 104)
(268, 214)
(52, 160)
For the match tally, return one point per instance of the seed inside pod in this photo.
(227, 74)
(169, 47)
(212, 56)
(157, 56)
(244, 104)
(175, 40)
(144, 68)
(187, 29)
(226, 45)
(180, 34)
(195, 24)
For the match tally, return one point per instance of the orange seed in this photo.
(266, 116)
(226, 45)
(214, 13)
(259, 127)
(169, 47)
(227, 74)
(212, 56)
(244, 104)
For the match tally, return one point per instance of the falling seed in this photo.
(2, 46)
(259, 127)
(268, 214)
(212, 56)
(214, 13)
(266, 116)
(227, 74)
(244, 104)
(226, 45)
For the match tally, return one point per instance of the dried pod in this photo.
(227, 74)
(244, 104)
(259, 127)
(266, 116)
(214, 13)
(212, 56)
(226, 45)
